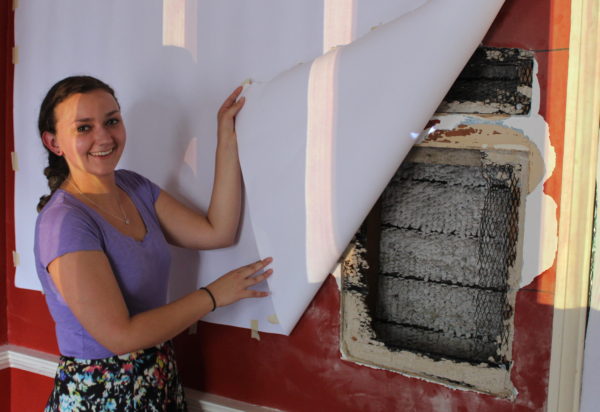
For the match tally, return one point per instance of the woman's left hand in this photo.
(227, 113)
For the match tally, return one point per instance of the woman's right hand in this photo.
(234, 285)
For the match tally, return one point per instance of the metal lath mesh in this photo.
(495, 80)
(499, 232)
(448, 239)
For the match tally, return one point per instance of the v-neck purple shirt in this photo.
(141, 268)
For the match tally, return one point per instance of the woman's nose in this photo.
(103, 134)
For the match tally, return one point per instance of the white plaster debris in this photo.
(525, 90)
(494, 54)
(472, 107)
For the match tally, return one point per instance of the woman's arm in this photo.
(187, 228)
(88, 285)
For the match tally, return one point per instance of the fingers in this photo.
(238, 283)
(232, 97)
(234, 110)
(227, 114)
(252, 268)
(231, 103)
(253, 280)
(250, 277)
(257, 294)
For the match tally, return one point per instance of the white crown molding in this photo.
(41, 363)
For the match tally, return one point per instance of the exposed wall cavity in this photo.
(423, 306)
(530, 131)
(515, 133)
(448, 240)
(448, 270)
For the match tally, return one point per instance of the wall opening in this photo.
(448, 239)
(430, 281)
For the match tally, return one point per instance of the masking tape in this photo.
(273, 319)
(254, 326)
(15, 55)
(192, 330)
(15, 161)
(15, 4)
(247, 82)
(16, 258)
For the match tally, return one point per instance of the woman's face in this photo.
(90, 133)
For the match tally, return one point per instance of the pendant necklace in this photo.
(124, 219)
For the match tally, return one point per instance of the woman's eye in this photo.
(112, 122)
(83, 128)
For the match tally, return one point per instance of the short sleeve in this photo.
(140, 184)
(63, 229)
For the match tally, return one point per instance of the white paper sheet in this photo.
(385, 86)
(356, 107)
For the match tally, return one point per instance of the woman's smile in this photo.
(102, 154)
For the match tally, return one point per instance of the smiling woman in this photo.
(102, 256)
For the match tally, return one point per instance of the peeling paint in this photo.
(492, 135)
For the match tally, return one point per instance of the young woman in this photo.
(102, 256)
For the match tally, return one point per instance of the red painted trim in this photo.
(6, 175)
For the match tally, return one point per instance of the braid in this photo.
(56, 173)
(58, 169)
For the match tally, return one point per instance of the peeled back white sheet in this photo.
(318, 142)
(310, 186)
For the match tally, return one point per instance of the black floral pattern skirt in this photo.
(146, 380)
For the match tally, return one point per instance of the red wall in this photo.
(29, 391)
(303, 372)
(5, 389)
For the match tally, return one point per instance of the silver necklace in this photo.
(123, 219)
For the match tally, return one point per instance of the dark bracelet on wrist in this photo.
(211, 297)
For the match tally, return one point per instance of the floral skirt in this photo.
(146, 380)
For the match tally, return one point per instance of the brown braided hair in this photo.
(58, 170)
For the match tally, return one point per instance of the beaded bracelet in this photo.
(211, 297)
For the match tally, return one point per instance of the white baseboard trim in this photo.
(41, 363)
(30, 360)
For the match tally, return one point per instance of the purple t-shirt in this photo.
(141, 268)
